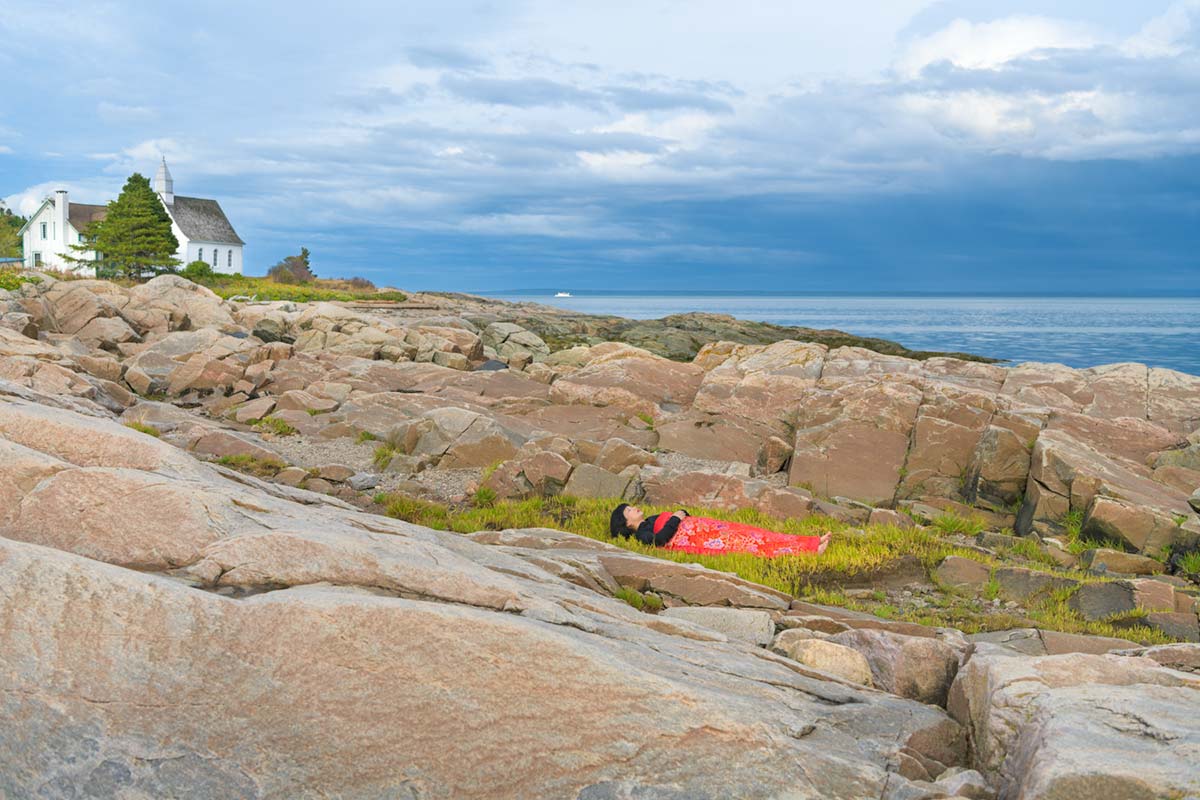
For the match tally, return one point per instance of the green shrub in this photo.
(274, 425)
(197, 271)
(484, 497)
(953, 523)
(11, 279)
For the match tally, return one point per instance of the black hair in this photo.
(617, 526)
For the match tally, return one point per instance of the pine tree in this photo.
(135, 237)
(10, 242)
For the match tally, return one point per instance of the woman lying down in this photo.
(706, 536)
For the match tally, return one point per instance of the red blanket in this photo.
(706, 536)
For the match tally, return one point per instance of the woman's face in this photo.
(634, 516)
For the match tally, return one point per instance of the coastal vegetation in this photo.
(853, 557)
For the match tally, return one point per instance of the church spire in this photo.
(164, 184)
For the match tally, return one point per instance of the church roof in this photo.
(82, 214)
(203, 220)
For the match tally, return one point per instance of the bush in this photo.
(197, 271)
(11, 279)
(361, 284)
(293, 269)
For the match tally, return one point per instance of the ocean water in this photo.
(1077, 331)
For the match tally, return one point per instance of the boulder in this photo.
(588, 480)
(739, 624)
(836, 659)
(639, 384)
(254, 409)
(1024, 585)
(916, 667)
(852, 440)
(1103, 560)
(690, 583)
(962, 573)
(1035, 642)
(182, 304)
(1079, 725)
(1098, 601)
(886, 516)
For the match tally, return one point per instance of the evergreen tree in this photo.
(10, 241)
(135, 238)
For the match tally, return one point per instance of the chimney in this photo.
(61, 216)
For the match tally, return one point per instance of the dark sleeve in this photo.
(646, 534)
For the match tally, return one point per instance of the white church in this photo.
(203, 230)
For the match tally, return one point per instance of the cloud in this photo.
(444, 58)
(552, 121)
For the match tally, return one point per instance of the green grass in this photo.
(1190, 562)
(274, 425)
(252, 465)
(384, 454)
(950, 522)
(853, 552)
(1179, 519)
(11, 279)
(484, 497)
(646, 418)
(1029, 550)
(141, 427)
(227, 286)
(366, 436)
(1072, 523)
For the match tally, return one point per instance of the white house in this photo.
(203, 230)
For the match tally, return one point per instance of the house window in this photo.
(37, 257)
(216, 255)
(45, 227)
(80, 235)
(229, 259)
(201, 256)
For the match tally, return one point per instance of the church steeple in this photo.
(164, 184)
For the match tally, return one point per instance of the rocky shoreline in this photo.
(200, 595)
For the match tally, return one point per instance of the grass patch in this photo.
(11, 279)
(252, 465)
(852, 552)
(1029, 550)
(227, 286)
(384, 454)
(646, 418)
(366, 436)
(484, 497)
(950, 523)
(1190, 562)
(1072, 524)
(142, 427)
(274, 425)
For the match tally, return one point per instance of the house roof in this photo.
(203, 220)
(81, 215)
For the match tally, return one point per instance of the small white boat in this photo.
(562, 294)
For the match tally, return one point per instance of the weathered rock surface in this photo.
(313, 606)
(1080, 725)
(246, 654)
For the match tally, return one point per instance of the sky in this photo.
(777, 145)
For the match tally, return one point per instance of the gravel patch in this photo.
(319, 452)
